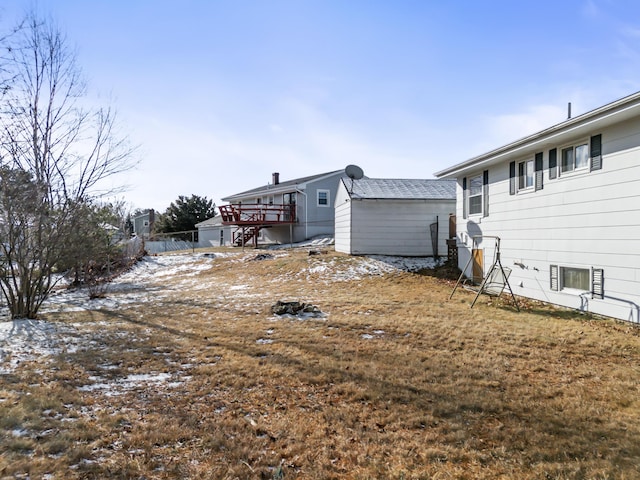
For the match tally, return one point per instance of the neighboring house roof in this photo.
(609, 114)
(412, 189)
(144, 214)
(108, 226)
(281, 187)
(211, 222)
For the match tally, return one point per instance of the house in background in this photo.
(283, 212)
(143, 223)
(212, 233)
(565, 203)
(407, 217)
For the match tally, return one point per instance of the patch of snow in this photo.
(376, 334)
(319, 269)
(130, 382)
(408, 264)
(320, 241)
(108, 367)
(148, 281)
(25, 340)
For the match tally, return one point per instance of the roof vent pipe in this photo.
(569, 111)
(275, 176)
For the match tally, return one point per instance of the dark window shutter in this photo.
(553, 276)
(485, 193)
(512, 178)
(539, 172)
(596, 152)
(597, 283)
(553, 163)
(465, 197)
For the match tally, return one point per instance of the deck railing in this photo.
(257, 214)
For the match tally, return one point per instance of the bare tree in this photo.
(56, 148)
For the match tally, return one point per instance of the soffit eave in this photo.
(610, 114)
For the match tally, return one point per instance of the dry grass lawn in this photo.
(198, 379)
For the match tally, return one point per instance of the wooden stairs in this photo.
(242, 237)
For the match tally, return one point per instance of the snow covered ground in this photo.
(23, 340)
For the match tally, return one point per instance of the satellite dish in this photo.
(354, 172)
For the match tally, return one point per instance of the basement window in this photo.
(574, 278)
(577, 280)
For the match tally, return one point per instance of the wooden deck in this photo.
(250, 218)
(257, 214)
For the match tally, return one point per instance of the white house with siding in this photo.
(283, 211)
(407, 217)
(212, 233)
(565, 203)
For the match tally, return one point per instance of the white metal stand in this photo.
(494, 281)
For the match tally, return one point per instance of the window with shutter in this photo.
(475, 195)
(525, 175)
(577, 281)
(574, 158)
(529, 175)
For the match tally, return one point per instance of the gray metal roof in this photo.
(282, 186)
(410, 189)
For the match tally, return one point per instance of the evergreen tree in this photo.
(184, 213)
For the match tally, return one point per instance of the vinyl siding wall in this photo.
(209, 236)
(320, 219)
(586, 219)
(342, 220)
(398, 227)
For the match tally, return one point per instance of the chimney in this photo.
(569, 111)
(276, 178)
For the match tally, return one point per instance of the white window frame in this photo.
(573, 289)
(328, 198)
(584, 146)
(526, 175)
(479, 178)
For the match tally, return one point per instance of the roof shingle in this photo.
(389, 188)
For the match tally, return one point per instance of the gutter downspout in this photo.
(306, 213)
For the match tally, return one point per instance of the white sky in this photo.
(219, 94)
